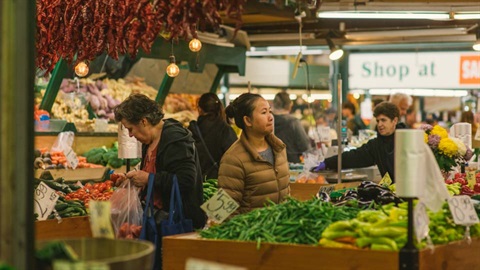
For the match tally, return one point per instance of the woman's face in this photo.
(261, 121)
(138, 131)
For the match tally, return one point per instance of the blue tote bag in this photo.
(149, 230)
(176, 222)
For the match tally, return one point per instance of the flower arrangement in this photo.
(449, 152)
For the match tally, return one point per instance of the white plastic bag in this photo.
(127, 211)
(312, 158)
(63, 142)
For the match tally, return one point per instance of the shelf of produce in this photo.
(178, 249)
(305, 191)
(73, 227)
(82, 142)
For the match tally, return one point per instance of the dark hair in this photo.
(136, 107)
(467, 117)
(376, 101)
(348, 105)
(242, 106)
(282, 101)
(211, 105)
(388, 109)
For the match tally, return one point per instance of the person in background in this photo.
(354, 122)
(411, 118)
(402, 101)
(254, 170)
(469, 117)
(212, 134)
(315, 132)
(373, 121)
(288, 128)
(378, 151)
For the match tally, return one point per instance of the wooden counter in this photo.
(73, 227)
(177, 249)
(306, 191)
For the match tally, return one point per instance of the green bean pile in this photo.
(289, 222)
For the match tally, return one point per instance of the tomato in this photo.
(109, 182)
(88, 186)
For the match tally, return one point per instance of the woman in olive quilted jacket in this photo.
(255, 168)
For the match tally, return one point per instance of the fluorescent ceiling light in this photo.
(280, 37)
(467, 16)
(383, 15)
(476, 46)
(420, 92)
(283, 50)
(369, 35)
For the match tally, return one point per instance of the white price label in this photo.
(72, 159)
(45, 199)
(197, 264)
(421, 221)
(462, 210)
(220, 206)
(100, 223)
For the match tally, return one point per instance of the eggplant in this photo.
(323, 196)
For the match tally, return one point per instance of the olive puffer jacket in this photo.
(251, 180)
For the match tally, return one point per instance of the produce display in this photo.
(56, 160)
(364, 195)
(289, 222)
(74, 198)
(459, 184)
(108, 157)
(386, 229)
(210, 187)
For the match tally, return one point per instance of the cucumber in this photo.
(61, 206)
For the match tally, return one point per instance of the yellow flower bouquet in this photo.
(449, 152)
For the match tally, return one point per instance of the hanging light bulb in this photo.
(195, 45)
(335, 52)
(172, 69)
(81, 69)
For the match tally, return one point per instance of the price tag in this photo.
(471, 179)
(421, 221)
(44, 199)
(197, 264)
(327, 189)
(462, 210)
(72, 159)
(100, 224)
(220, 206)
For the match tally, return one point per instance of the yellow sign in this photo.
(386, 180)
(220, 206)
(100, 219)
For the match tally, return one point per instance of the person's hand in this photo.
(138, 178)
(118, 178)
(319, 167)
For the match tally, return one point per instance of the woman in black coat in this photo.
(212, 134)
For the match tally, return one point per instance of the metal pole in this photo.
(408, 258)
(339, 128)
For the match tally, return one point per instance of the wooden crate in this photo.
(306, 191)
(177, 249)
(73, 227)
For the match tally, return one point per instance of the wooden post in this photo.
(16, 139)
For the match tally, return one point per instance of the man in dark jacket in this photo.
(378, 151)
(288, 128)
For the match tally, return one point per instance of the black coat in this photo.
(218, 137)
(293, 135)
(378, 151)
(176, 154)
